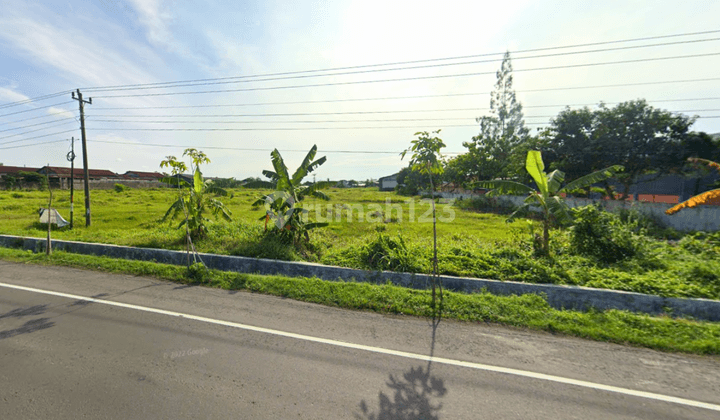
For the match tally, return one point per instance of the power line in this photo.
(246, 149)
(406, 62)
(407, 79)
(302, 128)
(36, 108)
(30, 145)
(250, 79)
(33, 131)
(38, 117)
(30, 100)
(436, 96)
(36, 124)
(37, 137)
(397, 111)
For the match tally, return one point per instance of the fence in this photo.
(701, 218)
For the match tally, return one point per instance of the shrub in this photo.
(386, 253)
(646, 224)
(601, 235)
(487, 204)
(120, 188)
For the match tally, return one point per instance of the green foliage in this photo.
(490, 153)
(198, 273)
(475, 244)
(634, 134)
(120, 188)
(226, 183)
(283, 206)
(602, 235)
(410, 182)
(487, 204)
(386, 253)
(426, 157)
(193, 202)
(547, 196)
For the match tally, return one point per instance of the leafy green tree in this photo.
(546, 196)
(634, 134)
(193, 201)
(283, 205)
(427, 159)
(410, 182)
(500, 133)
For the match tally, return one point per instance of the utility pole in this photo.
(71, 158)
(86, 176)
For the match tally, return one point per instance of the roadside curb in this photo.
(558, 296)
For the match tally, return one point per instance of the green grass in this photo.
(528, 311)
(473, 244)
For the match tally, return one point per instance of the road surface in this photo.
(79, 344)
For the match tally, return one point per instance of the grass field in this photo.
(471, 243)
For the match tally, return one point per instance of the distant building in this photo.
(14, 170)
(146, 176)
(388, 183)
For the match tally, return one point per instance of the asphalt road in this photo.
(69, 358)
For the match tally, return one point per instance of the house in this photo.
(61, 176)
(77, 173)
(388, 183)
(14, 170)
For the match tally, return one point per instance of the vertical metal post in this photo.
(71, 158)
(48, 244)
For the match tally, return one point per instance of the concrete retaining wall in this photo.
(569, 297)
(701, 218)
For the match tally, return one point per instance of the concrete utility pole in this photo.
(82, 103)
(71, 158)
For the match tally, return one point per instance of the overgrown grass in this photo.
(529, 311)
(472, 244)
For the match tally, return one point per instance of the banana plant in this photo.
(547, 195)
(707, 197)
(193, 202)
(283, 206)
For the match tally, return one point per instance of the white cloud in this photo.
(154, 19)
(60, 112)
(12, 96)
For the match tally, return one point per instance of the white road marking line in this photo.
(380, 350)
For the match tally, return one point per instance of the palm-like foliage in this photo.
(703, 198)
(547, 195)
(283, 205)
(193, 201)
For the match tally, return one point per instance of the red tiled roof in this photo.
(16, 169)
(78, 172)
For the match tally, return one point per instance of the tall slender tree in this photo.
(500, 132)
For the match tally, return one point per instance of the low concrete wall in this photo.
(569, 297)
(701, 218)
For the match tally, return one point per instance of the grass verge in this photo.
(529, 311)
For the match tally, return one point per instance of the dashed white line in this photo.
(380, 350)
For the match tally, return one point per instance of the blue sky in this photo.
(63, 45)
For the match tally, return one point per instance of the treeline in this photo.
(643, 139)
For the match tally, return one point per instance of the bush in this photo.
(602, 235)
(487, 204)
(645, 224)
(386, 253)
(120, 188)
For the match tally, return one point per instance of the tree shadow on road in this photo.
(30, 326)
(414, 395)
